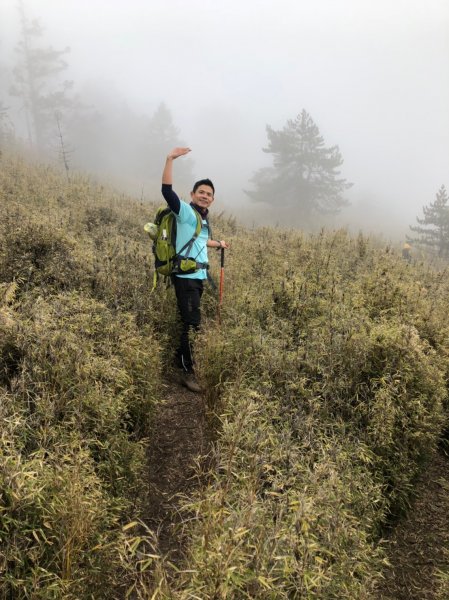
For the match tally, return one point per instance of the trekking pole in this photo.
(220, 291)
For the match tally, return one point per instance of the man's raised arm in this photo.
(167, 179)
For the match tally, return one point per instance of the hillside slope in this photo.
(325, 398)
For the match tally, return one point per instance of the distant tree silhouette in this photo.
(304, 175)
(37, 82)
(6, 127)
(4, 85)
(433, 227)
(160, 135)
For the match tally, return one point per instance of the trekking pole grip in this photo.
(222, 257)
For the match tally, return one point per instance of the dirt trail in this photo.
(416, 546)
(181, 438)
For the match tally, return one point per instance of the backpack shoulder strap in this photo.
(209, 228)
(199, 224)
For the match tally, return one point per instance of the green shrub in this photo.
(329, 372)
(275, 523)
(36, 254)
(443, 585)
(58, 529)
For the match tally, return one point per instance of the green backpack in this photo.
(163, 233)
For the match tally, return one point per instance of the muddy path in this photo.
(416, 545)
(182, 440)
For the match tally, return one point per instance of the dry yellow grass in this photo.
(326, 382)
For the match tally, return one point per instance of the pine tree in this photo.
(37, 82)
(304, 175)
(433, 228)
(160, 136)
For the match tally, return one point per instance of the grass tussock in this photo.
(335, 402)
(80, 374)
(443, 585)
(327, 378)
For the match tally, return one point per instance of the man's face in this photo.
(203, 196)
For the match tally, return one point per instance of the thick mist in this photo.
(374, 77)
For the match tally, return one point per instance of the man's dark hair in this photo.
(203, 182)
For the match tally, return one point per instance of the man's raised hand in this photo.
(177, 152)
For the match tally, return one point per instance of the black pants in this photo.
(188, 294)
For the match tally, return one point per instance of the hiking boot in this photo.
(191, 383)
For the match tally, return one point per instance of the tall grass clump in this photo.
(329, 372)
(80, 374)
(442, 590)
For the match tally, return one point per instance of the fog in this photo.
(374, 76)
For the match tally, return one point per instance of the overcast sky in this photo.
(373, 74)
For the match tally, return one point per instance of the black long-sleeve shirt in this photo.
(171, 198)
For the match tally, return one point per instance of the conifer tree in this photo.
(37, 82)
(304, 175)
(161, 135)
(433, 227)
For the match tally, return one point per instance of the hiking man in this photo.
(189, 287)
